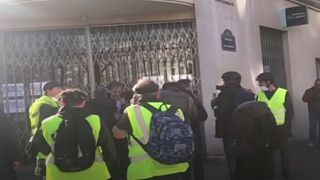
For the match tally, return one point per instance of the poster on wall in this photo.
(36, 88)
(14, 106)
(13, 90)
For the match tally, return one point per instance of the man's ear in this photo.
(62, 102)
(268, 83)
(83, 103)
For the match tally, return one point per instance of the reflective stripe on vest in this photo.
(34, 111)
(98, 171)
(140, 118)
(276, 104)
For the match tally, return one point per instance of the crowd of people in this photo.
(253, 127)
(112, 135)
(75, 136)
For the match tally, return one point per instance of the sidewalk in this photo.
(305, 163)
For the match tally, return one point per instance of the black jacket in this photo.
(255, 129)
(257, 136)
(105, 108)
(225, 104)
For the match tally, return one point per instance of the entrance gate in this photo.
(89, 57)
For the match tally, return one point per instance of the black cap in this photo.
(50, 85)
(231, 76)
(266, 76)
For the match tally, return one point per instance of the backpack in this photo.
(75, 146)
(171, 139)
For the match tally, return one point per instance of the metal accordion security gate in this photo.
(89, 57)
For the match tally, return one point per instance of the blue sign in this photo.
(228, 41)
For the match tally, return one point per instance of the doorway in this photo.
(273, 54)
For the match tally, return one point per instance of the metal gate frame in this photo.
(22, 126)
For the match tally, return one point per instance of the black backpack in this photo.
(75, 146)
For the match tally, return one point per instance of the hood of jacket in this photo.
(253, 109)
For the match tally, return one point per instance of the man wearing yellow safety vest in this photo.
(280, 104)
(42, 108)
(136, 121)
(77, 142)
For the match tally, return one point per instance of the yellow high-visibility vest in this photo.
(98, 170)
(142, 166)
(34, 115)
(34, 111)
(276, 104)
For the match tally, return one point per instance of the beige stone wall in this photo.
(244, 19)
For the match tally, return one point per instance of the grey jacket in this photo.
(181, 100)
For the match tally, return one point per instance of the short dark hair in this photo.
(127, 95)
(184, 83)
(72, 97)
(169, 85)
(101, 93)
(114, 84)
(231, 77)
(50, 85)
(145, 86)
(264, 77)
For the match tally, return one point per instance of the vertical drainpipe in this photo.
(90, 62)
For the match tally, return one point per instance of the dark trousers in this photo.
(120, 172)
(197, 163)
(314, 127)
(196, 169)
(254, 166)
(284, 152)
(228, 145)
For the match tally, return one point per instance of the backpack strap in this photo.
(153, 110)
(172, 109)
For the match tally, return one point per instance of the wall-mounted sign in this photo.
(295, 16)
(227, 2)
(228, 41)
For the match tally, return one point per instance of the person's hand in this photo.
(118, 133)
(16, 165)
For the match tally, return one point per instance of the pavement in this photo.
(304, 164)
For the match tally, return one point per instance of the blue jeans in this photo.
(228, 145)
(314, 123)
